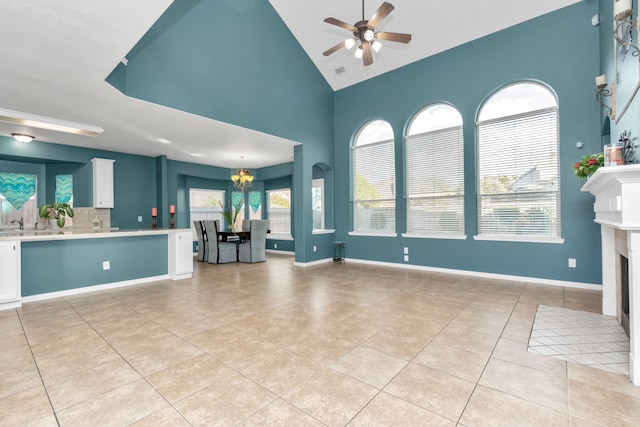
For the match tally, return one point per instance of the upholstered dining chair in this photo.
(219, 252)
(201, 244)
(254, 250)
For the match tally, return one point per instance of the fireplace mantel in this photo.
(617, 206)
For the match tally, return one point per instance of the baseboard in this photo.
(94, 288)
(312, 263)
(537, 280)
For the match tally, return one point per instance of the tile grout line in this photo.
(35, 361)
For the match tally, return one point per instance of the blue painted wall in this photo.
(560, 49)
(50, 266)
(628, 77)
(231, 61)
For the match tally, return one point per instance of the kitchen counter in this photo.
(54, 263)
(75, 233)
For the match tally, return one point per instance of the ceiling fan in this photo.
(364, 32)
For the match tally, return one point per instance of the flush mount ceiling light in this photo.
(42, 122)
(242, 179)
(21, 137)
(364, 32)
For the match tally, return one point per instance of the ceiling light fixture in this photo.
(42, 122)
(243, 178)
(21, 137)
(365, 35)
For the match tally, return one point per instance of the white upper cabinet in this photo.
(102, 183)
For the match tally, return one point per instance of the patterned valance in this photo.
(64, 188)
(17, 188)
(255, 200)
(237, 197)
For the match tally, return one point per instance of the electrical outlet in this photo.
(406, 251)
(139, 218)
(572, 263)
(106, 265)
(275, 246)
(314, 248)
(406, 258)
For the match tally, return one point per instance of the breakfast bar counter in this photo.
(41, 264)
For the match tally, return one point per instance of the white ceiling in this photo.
(55, 56)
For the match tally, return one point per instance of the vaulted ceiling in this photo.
(56, 55)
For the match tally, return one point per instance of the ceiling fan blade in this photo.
(333, 49)
(340, 24)
(380, 14)
(393, 37)
(367, 59)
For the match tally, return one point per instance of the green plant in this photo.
(57, 211)
(230, 213)
(588, 165)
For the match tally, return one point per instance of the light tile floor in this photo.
(327, 345)
(578, 336)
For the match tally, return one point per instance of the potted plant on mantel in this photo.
(57, 211)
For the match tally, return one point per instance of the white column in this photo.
(633, 244)
(609, 262)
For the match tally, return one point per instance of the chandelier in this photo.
(243, 178)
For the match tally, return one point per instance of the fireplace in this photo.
(624, 293)
(617, 210)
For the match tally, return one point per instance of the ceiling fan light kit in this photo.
(364, 32)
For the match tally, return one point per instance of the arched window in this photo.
(518, 166)
(373, 180)
(434, 172)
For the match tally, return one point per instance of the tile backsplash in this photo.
(83, 217)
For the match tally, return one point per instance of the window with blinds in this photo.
(373, 180)
(518, 165)
(204, 204)
(434, 172)
(279, 210)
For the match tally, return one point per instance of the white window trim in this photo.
(513, 238)
(445, 236)
(279, 236)
(360, 233)
(323, 231)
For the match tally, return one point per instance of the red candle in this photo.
(154, 212)
(172, 208)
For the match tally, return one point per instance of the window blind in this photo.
(518, 176)
(434, 181)
(374, 206)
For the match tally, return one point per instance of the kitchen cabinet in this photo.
(102, 183)
(10, 268)
(180, 254)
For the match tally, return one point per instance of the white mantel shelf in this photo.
(617, 207)
(617, 191)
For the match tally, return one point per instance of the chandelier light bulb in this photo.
(376, 45)
(349, 43)
(368, 35)
(358, 53)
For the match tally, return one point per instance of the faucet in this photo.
(20, 223)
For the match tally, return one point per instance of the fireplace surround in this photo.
(617, 210)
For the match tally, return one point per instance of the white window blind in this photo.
(373, 191)
(204, 204)
(434, 173)
(518, 175)
(279, 210)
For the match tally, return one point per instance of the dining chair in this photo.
(201, 244)
(254, 250)
(219, 252)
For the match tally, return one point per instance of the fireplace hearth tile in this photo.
(578, 336)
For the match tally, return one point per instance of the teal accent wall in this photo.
(628, 77)
(559, 49)
(235, 63)
(57, 265)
